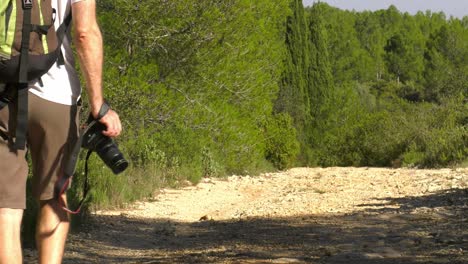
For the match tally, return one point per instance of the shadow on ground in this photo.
(410, 230)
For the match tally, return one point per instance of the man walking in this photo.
(52, 133)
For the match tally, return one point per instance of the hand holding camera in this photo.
(109, 118)
(98, 137)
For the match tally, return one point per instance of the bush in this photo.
(282, 146)
(445, 147)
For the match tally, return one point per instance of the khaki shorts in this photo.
(52, 133)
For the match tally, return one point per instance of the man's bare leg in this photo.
(10, 242)
(51, 233)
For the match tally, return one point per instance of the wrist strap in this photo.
(103, 110)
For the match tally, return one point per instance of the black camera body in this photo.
(104, 146)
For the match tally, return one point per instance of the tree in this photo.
(321, 79)
(321, 88)
(293, 96)
(404, 52)
(446, 62)
(372, 39)
(348, 60)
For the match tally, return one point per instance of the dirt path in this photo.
(304, 215)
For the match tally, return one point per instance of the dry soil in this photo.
(304, 215)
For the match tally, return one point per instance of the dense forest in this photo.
(210, 88)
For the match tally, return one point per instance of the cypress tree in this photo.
(293, 97)
(321, 80)
(320, 87)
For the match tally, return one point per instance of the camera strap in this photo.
(86, 189)
(105, 107)
(63, 183)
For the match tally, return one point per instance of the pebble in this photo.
(286, 260)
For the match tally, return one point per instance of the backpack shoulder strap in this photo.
(61, 32)
(27, 27)
(22, 115)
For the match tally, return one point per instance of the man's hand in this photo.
(112, 121)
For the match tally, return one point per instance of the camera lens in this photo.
(110, 154)
(105, 147)
(120, 165)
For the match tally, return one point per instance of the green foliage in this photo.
(446, 61)
(209, 165)
(321, 79)
(194, 82)
(293, 96)
(282, 146)
(398, 91)
(438, 139)
(209, 88)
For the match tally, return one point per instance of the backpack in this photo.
(29, 46)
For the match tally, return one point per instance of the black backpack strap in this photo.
(22, 116)
(63, 28)
(61, 32)
(27, 27)
(8, 94)
(40, 29)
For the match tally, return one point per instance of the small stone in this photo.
(286, 260)
(390, 253)
(205, 218)
(373, 256)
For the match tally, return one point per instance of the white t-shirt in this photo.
(61, 84)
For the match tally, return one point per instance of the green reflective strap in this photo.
(45, 46)
(7, 27)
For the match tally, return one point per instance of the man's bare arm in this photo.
(88, 42)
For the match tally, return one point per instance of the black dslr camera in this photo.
(105, 147)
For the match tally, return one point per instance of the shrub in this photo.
(282, 146)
